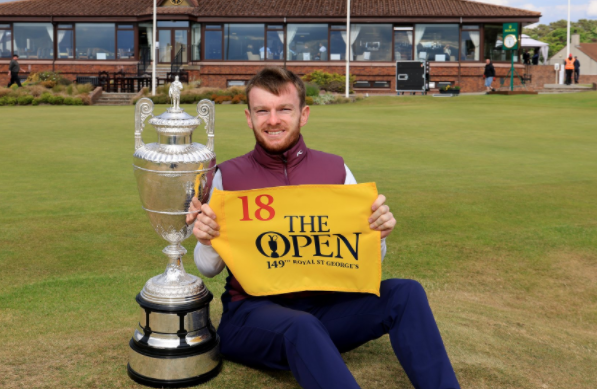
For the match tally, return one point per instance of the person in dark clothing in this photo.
(489, 74)
(13, 71)
(535, 59)
(526, 57)
(576, 69)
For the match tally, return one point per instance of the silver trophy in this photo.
(174, 344)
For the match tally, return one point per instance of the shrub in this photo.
(56, 100)
(160, 99)
(329, 80)
(4, 91)
(69, 89)
(85, 88)
(237, 90)
(49, 84)
(68, 101)
(341, 100)
(221, 99)
(35, 102)
(85, 99)
(45, 98)
(9, 100)
(79, 101)
(25, 100)
(187, 99)
(239, 99)
(309, 100)
(36, 90)
(326, 98)
(311, 89)
(64, 81)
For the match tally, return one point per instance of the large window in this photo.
(65, 41)
(403, 43)
(275, 42)
(125, 36)
(213, 41)
(470, 46)
(337, 42)
(436, 42)
(244, 42)
(5, 41)
(196, 42)
(307, 42)
(145, 40)
(493, 44)
(95, 41)
(34, 40)
(371, 42)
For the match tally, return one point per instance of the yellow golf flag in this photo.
(298, 238)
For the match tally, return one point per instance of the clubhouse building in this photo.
(224, 43)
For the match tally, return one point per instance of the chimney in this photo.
(575, 40)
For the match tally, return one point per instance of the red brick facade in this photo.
(468, 75)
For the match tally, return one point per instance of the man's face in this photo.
(276, 121)
(487, 61)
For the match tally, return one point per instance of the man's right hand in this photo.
(205, 228)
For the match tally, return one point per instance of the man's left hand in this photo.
(381, 219)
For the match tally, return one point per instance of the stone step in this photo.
(564, 86)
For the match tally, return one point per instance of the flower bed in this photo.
(39, 95)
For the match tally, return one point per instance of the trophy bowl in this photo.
(174, 344)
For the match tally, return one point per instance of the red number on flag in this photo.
(261, 207)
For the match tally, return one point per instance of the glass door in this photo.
(180, 43)
(165, 49)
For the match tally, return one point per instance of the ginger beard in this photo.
(276, 121)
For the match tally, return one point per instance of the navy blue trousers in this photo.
(307, 335)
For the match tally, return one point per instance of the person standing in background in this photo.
(569, 67)
(526, 57)
(13, 71)
(576, 69)
(489, 74)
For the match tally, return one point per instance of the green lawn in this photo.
(496, 202)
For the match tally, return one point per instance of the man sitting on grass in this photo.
(306, 332)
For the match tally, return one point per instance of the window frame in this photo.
(12, 46)
(402, 27)
(58, 28)
(481, 29)
(266, 45)
(330, 29)
(204, 29)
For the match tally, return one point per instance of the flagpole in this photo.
(347, 86)
(568, 33)
(155, 54)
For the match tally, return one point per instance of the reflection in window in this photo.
(403, 44)
(275, 42)
(337, 43)
(65, 43)
(493, 44)
(126, 42)
(307, 42)
(196, 42)
(95, 41)
(34, 40)
(213, 42)
(436, 42)
(470, 46)
(371, 42)
(245, 42)
(5, 44)
(145, 39)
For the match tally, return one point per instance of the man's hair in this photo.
(14, 55)
(275, 80)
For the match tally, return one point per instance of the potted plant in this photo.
(448, 89)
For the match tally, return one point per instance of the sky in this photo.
(552, 10)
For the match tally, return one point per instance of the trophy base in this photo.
(174, 346)
(159, 371)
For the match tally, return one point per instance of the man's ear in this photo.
(248, 116)
(305, 115)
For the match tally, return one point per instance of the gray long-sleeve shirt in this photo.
(14, 66)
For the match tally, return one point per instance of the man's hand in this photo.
(381, 219)
(205, 228)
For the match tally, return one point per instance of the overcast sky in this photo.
(551, 10)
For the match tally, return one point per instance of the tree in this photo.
(555, 33)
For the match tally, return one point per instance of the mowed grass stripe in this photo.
(496, 202)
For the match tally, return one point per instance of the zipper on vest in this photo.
(284, 161)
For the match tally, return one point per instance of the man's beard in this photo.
(280, 148)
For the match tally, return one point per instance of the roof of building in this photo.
(589, 49)
(265, 8)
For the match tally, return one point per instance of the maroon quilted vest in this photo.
(260, 169)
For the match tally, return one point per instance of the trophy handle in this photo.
(207, 112)
(143, 109)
